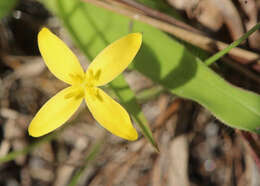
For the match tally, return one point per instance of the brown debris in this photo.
(213, 14)
(251, 11)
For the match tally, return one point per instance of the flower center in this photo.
(84, 85)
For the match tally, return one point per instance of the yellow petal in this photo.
(58, 57)
(54, 113)
(115, 58)
(110, 114)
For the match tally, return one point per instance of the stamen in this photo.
(76, 77)
(93, 91)
(99, 97)
(79, 95)
(91, 74)
(97, 75)
(69, 95)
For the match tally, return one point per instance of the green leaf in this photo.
(91, 40)
(178, 70)
(6, 6)
(168, 63)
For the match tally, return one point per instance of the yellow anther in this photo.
(69, 95)
(97, 74)
(77, 93)
(80, 94)
(91, 74)
(98, 96)
(76, 78)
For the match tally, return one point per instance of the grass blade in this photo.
(221, 53)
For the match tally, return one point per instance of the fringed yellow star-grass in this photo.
(105, 67)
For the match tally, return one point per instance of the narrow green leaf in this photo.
(88, 35)
(6, 6)
(177, 70)
(221, 53)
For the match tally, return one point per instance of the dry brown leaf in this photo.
(204, 11)
(183, 4)
(250, 9)
(231, 17)
(208, 15)
(212, 14)
(30, 69)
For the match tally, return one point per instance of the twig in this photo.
(158, 15)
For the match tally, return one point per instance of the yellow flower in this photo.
(106, 66)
